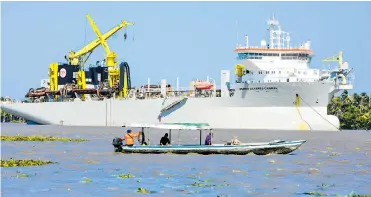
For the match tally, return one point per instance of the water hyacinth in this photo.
(39, 138)
(124, 176)
(21, 163)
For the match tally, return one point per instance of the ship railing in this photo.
(350, 79)
(240, 47)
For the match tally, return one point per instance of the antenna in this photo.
(236, 30)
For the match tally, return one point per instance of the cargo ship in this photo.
(274, 89)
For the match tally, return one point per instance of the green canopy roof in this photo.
(178, 126)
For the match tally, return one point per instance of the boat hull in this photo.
(265, 149)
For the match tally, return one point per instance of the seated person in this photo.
(234, 141)
(165, 140)
(208, 139)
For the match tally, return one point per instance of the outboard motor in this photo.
(117, 144)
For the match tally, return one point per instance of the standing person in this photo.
(129, 137)
(165, 140)
(208, 139)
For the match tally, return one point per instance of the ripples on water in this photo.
(342, 164)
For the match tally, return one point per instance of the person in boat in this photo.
(165, 140)
(208, 139)
(129, 137)
(234, 141)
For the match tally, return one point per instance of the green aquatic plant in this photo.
(124, 176)
(324, 186)
(353, 194)
(142, 190)
(39, 138)
(22, 175)
(85, 180)
(203, 183)
(22, 163)
(314, 193)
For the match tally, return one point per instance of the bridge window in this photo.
(294, 56)
(243, 56)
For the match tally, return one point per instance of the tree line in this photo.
(353, 111)
(7, 117)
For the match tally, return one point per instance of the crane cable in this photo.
(86, 24)
(133, 32)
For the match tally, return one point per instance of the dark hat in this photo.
(129, 130)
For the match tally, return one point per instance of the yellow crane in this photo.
(80, 57)
(336, 58)
(113, 71)
(339, 59)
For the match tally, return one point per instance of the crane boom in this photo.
(111, 56)
(76, 58)
(336, 58)
(113, 73)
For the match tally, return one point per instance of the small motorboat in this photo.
(260, 148)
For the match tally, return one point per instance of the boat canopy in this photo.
(175, 126)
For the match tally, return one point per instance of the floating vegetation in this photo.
(85, 180)
(22, 175)
(324, 186)
(21, 163)
(314, 193)
(39, 138)
(124, 176)
(357, 195)
(205, 184)
(144, 191)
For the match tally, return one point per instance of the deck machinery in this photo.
(109, 79)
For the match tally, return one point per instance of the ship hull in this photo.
(270, 106)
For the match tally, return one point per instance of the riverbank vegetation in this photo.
(7, 117)
(353, 111)
(39, 138)
(22, 163)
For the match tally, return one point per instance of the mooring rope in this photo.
(319, 113)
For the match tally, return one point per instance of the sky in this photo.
(189, 40)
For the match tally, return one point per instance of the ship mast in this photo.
(278, 39)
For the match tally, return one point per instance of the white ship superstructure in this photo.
(274, 89)
(277, 61)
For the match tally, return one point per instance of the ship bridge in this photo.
(277, 61)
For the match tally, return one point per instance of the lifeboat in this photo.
(203, 85)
